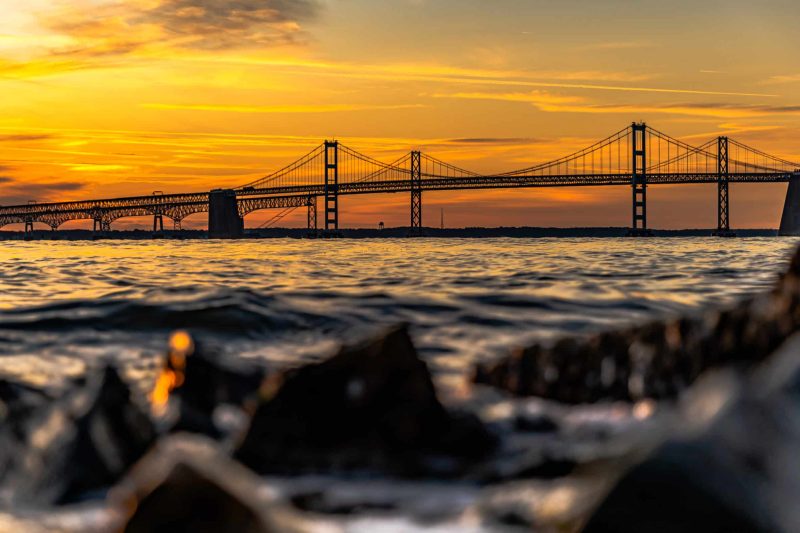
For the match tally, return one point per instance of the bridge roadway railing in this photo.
(103, 212)
(178, 206)
(497, 182)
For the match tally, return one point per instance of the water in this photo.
(66, 305)
(69, 306)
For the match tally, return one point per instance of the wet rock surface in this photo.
(78, 444)
(363, 441)
(186, 484)
(372, 406)
(204, 380)
(657, 360)
(734, 468)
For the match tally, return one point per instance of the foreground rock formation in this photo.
(657, 360)
(372, 406)
(228, 446)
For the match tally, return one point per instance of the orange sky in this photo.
(101, 98)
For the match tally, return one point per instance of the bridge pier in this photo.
(312, 216)
(790, 221)
(415, 229)
(639, 181)
(28, 227)
(158, 223)
(224, 221)
(101, 225)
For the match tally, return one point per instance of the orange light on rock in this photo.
(171, 376)
(159, 396)
(181, 342)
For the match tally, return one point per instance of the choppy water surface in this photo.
(64, 305)
(69, 306)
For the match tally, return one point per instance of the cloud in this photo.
(320, 108)
(558, 104)
(117, 29)
(467, 76)
(233, 23)
(494, 140)
(24, 137)
(785, 78)
(14, 191)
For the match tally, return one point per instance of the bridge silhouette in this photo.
(637, 156)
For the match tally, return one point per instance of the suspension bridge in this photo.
(637, 156)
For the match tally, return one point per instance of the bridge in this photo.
(637, 156)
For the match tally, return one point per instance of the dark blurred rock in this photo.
(372, 406)
(204, 379)
(213, 379)
(80, 443)
(187, 485)
(19, 401)
(656, 360)
(734, 469)
(320, 502)
(540, 423)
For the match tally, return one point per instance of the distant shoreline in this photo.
(388, 233)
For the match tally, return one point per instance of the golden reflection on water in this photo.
(41, 272)
(287, 300)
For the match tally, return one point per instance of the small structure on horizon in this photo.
(380, 225)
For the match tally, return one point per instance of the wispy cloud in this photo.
(24, 137)
(90, 34)
(115, 28)
(15, 191)
(555, 103)
(464, 76)
(784, 78)
(617, 45)
(495, 140)
(310, 108)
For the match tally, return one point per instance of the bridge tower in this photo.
(723, 197)
(639, 180)
(28, 226)
(331, 185)
(415, 230)
(312, 216)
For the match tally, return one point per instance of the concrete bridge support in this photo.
(158, 223)
(415, 229)
(790, 221)
(224, 221)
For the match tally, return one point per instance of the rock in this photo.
(186, 484)
(372, 406)
(734, 467)
(78, 444)
(199, 381)
(540, 423)
(657, 360)
(19, 401)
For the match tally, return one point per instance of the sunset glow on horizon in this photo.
(104, 98)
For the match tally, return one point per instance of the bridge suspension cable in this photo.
(299, 172)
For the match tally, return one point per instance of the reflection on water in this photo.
(75, 303)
